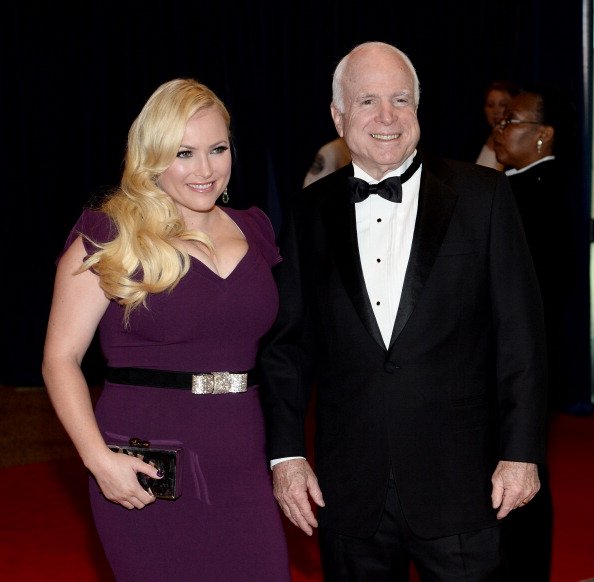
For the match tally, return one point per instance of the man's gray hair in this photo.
(337, 78)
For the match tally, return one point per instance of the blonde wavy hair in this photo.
(144, 258)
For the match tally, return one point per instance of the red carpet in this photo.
(571, 459)
(46, 533)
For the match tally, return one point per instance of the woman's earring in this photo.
(539, 145)
(225, 197)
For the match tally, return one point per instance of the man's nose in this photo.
(387, 113)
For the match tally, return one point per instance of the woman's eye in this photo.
(184, 154)
(220, 149)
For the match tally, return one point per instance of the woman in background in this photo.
(497, 97)
(536, 141)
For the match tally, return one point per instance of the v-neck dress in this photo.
(226, 525)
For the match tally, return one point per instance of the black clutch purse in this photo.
(167, 460)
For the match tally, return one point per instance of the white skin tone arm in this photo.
(294, 481)
(514, 485)
(77, 306)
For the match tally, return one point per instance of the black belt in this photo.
(202, 383)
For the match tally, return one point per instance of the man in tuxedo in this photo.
(413, 306)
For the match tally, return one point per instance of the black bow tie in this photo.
(390, 188)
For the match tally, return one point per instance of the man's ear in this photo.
(337, 117)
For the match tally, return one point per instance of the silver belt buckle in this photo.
(218, 383)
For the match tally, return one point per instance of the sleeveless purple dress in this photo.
(226, 526)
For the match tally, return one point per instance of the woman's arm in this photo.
(78, 305)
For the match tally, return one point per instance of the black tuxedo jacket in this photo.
(463, 382)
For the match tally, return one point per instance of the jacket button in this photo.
(390, 367)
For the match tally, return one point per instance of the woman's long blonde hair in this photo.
(143, 257)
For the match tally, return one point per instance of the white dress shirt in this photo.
(513, 171)
(384, 233)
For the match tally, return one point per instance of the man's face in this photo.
(379, 122)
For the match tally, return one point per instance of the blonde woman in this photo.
(181, 291)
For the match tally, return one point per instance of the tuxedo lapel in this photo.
(436, 204)
(340, 224)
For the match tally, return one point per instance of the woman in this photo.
(535, 140)
(497, 96)
(175, 283)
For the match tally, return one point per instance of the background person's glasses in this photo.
(509, 121)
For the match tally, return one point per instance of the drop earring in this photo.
(225, 196)
(539, 145)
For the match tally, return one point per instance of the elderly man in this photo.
(409, 298)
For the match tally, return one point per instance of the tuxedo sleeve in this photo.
(286, 353)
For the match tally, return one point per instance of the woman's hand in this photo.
(116, 476)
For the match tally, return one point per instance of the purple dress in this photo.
(226, 525)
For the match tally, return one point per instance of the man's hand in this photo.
(514, 485)
(292, 481)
